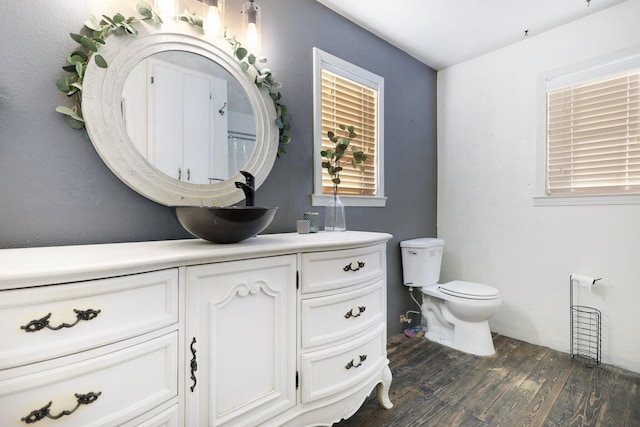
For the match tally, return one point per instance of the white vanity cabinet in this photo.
(277, 330)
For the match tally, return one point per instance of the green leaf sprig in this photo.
(335, 155)
(264, 79)
(193, 19)
(88, 48)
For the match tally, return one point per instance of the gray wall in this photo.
(55, 190)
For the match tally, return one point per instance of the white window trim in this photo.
(574, 74)
(323, 60)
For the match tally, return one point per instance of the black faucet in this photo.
(249, 188)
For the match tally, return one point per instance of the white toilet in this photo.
(457, 312)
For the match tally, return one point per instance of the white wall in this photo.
(487, 132)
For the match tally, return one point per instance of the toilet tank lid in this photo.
(469, 290)
(424, 242)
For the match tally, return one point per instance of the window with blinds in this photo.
(349, 103)
(593, 137)
(345, 94)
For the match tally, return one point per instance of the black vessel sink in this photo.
(225, 224)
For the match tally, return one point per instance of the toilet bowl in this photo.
(456, 313)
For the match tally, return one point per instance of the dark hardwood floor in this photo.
(521, 385)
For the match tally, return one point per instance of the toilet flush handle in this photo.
(413, 252)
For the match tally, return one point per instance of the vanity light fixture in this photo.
(167, 9)
(251, 19)
(214, 17)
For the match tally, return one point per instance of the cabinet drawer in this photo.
(165, 418)
(323, 271)
(125, 382)
(50, 321)
(332, 318)
(326, 372)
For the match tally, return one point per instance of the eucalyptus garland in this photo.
(119, 25)
(264, 79)
(88, 47)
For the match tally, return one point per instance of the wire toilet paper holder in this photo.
(586, 326)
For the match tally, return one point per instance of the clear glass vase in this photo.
(334, 219)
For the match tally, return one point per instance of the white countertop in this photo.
(60, 264)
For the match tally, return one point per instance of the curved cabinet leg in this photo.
(383, 389)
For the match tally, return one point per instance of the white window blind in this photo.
(593, 137)
(350, 103)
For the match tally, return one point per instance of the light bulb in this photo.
(166, 9)
(213, 22)
(251, 12)
(252, 38)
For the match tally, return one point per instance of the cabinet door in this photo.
(241, 334)
(167, 119)
(182, 121)
(198, 128)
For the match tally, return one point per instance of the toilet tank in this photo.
(421, 260)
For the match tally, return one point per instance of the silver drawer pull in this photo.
(39, 414)
(354, 266)
(38, 324)
(356, 364)
(359, 310)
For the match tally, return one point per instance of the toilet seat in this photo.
(469, 290)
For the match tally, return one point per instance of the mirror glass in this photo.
(189, 117)
(176, 118)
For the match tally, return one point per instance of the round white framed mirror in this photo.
(145, 131)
